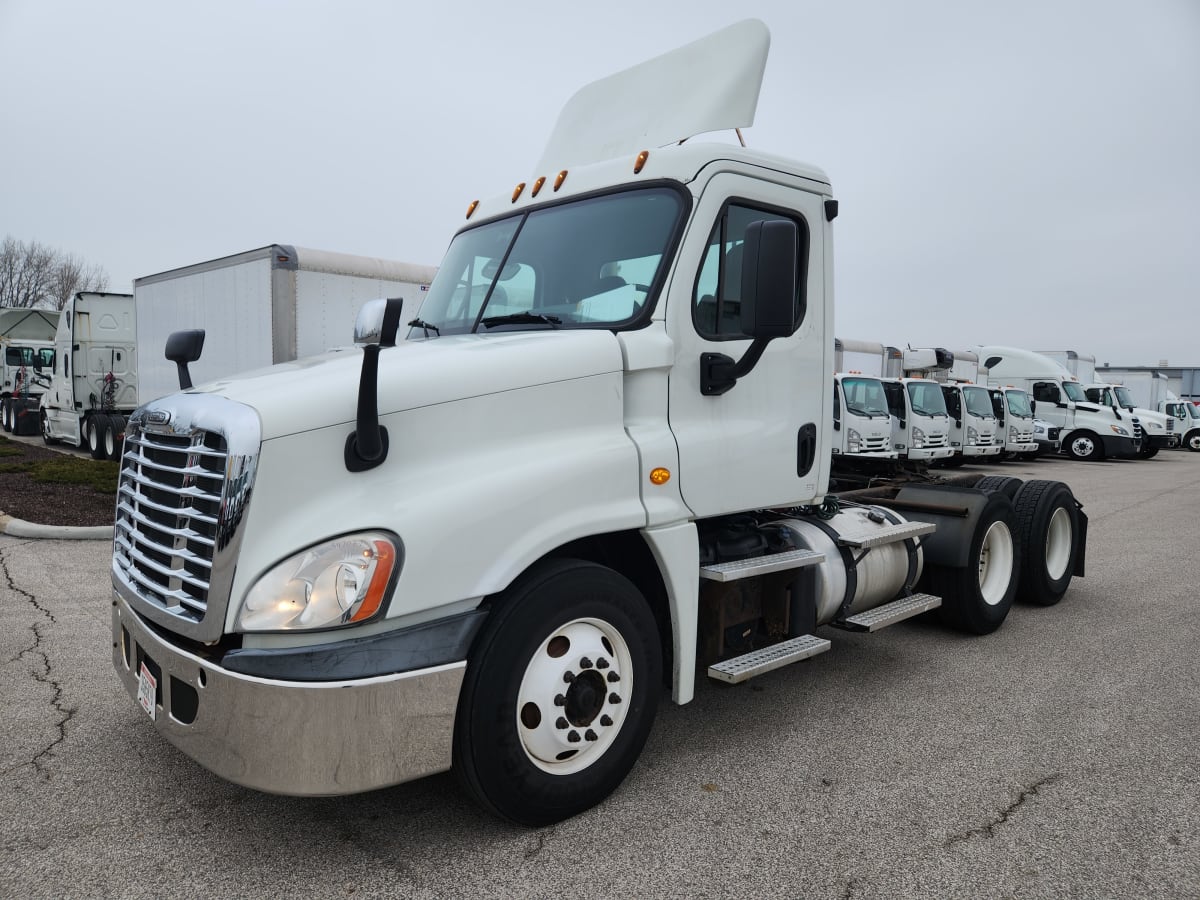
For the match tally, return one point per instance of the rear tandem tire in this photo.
(93, 428)
(5, 407)
(1005, 484)
(114, 431)
(1048, 532)
(559, 694)
(976, 598)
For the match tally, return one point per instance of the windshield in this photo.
(587, 263)
(864, 397)
(978, 402)
(926, 398)
(1018, 404)
(28, 356)
(1124, 398)
(1192, 410)
(1074, 391)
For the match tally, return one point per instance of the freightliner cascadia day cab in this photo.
(595, 465)
(26, 351)
(93, 385)
(269, 305)
(1087, 431)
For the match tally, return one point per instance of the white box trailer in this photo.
(265, 306)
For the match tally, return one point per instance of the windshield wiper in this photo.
(425, 326)
(521, 318)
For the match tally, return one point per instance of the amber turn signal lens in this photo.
(660, 476)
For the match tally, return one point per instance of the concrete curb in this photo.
(21, 528)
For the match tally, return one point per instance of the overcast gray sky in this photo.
(1021, 172)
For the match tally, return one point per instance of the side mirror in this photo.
(1033, 406)
(376, 327)
(184, 347)
(770, 266)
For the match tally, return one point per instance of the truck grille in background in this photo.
(937, 440)
(168, 517)
(872, 444)
(1026, 437)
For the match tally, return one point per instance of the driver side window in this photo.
(717, 298)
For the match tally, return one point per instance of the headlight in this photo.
(1013, 434)
(1154, 426)
(918, 438)
(853, 440)
(972, 435)
(338, 582)
(1117, 429)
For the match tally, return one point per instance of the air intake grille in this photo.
(168, 517)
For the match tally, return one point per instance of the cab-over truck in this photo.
(594, 465)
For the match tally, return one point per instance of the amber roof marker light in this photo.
(517, 191)
(640, 162)
(559, 179)
(537, 185)
(472, 208)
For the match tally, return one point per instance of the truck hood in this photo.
(322, 391)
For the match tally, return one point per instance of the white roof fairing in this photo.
(708, 85)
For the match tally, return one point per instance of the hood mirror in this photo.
(376, 327)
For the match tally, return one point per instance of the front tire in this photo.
(1049, 528)
(559, 695)
(1193, 441)
(47, 437)
(1085, 446)
(976, 598)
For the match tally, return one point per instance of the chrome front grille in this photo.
(186, 475)
(168, 508)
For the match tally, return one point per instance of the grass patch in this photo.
(100, 475)
(12, 468)
(7, 449)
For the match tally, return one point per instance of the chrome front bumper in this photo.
(291, 737)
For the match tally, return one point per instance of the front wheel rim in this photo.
(995, 563)
(1083, 446)
(574, 696)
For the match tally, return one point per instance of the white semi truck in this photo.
(1088, 431)
(1158, 430)
(597, 464)
(269, 305)
(26, 347)
(93, 383)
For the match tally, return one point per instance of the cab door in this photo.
(765, 441)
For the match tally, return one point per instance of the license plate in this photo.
(147, 688)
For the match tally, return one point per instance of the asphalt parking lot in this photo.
(1056, 757)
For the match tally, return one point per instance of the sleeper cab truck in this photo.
(1088, 431)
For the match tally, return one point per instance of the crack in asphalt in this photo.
(989, 830)
(42, 672)
(540, 838)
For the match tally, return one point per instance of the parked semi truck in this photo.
(1088, 431)
(26, 345)
(265, 306)
(598, 462)
(93, 384)
(1158, 430)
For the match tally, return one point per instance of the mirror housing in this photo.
(184, 347)
(376, 327)
(770, 266)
